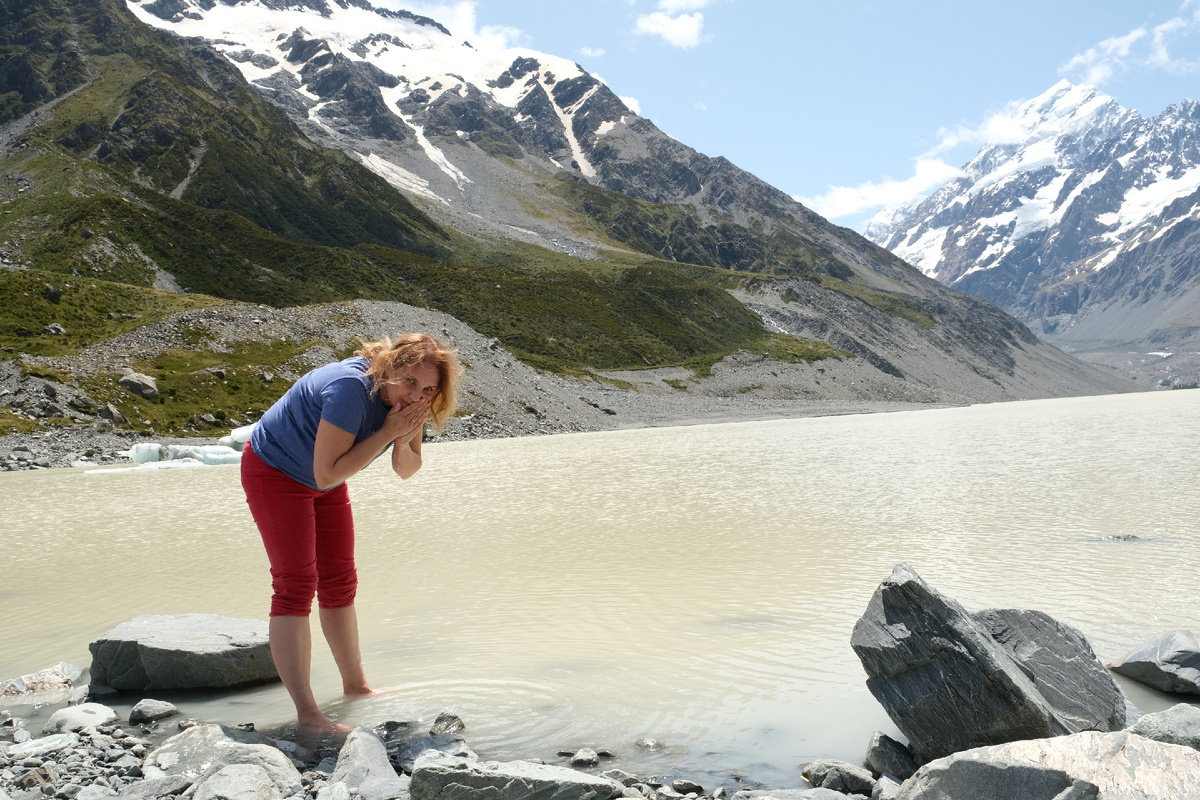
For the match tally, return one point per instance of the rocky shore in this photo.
(999, 703)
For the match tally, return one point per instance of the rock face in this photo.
(1083, 766)
(1170, 662)
(1062, 665)
(183, 651)
(442, 777)
(202, 752)
(949, 686)
(1179, 724)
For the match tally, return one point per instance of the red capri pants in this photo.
(309, 536)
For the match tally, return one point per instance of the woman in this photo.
(333, 422)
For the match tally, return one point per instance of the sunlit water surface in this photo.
(694, 585)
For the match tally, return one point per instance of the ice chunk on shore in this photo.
(154, 454)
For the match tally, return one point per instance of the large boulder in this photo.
(200, 752)
(142, 385)
(183, 651)
(1170, 662)
(1082, 766)
(437, 776)
(363, 762)
(1062, 665)
(1179, 724)
(949, 686)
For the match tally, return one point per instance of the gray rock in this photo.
(841, 776)
(148, 710)
(1062, 665)
(36, 748)
(447, 723)
(203, 750)
(1179, 724)
(112, 414)
(143, 386)
(788, 794)
(442, 777)
(95, 792)
(687, 787)
(886, 756)
(585, 757)
(54, 329)
(183, 651)
(364, 763)
(76, 718)
(885, 789)
(1082, 766)
(939, 675)
(1170, 662)
(155, 788)
(405, 756)
(237, 782)
(621, 776)
(49, 685)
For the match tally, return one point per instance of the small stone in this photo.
(585, 757)
(54, 329)
(447, 723)
(687, 787)
(649, 744)
(149, 710)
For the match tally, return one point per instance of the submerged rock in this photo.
(1082, 766)
(148, 710)
(183, 651)
(49, 685)
(950, 686)
(1170, 662)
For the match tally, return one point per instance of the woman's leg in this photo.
(283, 511)
(337, 584)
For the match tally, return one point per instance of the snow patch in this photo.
(399, 177)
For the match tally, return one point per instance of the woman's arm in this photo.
(406, 455)
(336, 457)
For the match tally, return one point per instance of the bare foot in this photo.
(319, 724)
(358, 689)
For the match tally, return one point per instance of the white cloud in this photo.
(1100, 62)
(1156, 49)
(700, 106)
(682, 31)
(459, 18)
(591, 52)
(841, 201)
(633, 104)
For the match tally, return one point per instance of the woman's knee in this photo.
(337, 591)
(292, 594)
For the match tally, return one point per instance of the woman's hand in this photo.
(404, 424)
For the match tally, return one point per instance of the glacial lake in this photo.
(693, 585)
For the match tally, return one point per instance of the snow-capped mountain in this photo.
(1083, 224)
(485, 135)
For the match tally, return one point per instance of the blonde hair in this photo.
(407, 352)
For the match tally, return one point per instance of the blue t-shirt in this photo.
(341, 393)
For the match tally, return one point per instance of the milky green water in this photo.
(696, 585)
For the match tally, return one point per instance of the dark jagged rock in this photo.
(1061, 664)
(886, 756)
(1170, 662)
(942, 679)
(183, 651)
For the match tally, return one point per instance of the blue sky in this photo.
(850, 104)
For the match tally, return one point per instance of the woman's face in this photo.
(407, 386)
